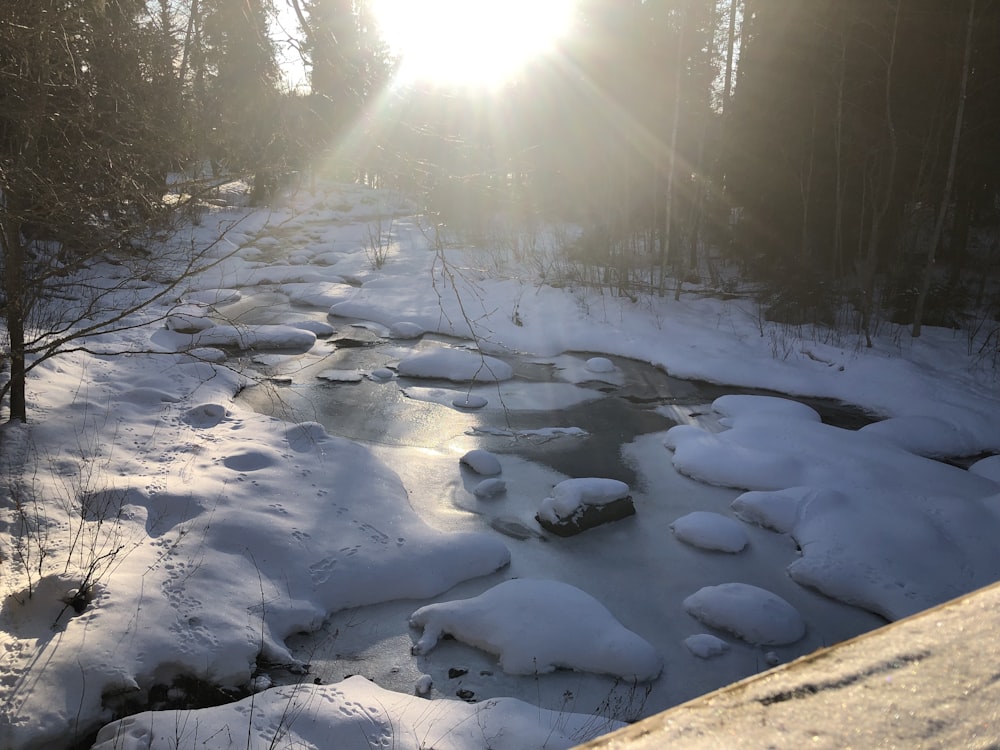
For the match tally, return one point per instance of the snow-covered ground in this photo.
(210, 534)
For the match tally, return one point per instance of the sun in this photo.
(476, 43)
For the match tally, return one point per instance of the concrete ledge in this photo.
(931, 680)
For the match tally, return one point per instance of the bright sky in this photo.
(470, 42)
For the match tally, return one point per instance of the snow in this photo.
(455, 364)
(469, 401)
(341, 376)
(404, 329)
(537, 626)
(571, 495)
(748, 612)
(987, 467)
(481, 462)
(710, 531)
(213, 534)
(862, 509)
(489, 488)
(600, 365)
(352, 715)
(706, 645)
(255, 337)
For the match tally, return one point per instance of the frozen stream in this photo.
(635, 567)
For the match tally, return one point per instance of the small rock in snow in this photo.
(711, 531)
(538, 626)
(481, 462)
(705, 646)
(600, 364)
(262, 682)
(381, 374)
(342, 376)
(406, 330)
(207, 354)
(576, 505)
(469, 402)
(748, 612)
(321, 329)
(489, 488)
(424, 685)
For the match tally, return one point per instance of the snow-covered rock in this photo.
(459, 365)
(489, 488)
(748, 612)
(706, 645)
(575, 505)
(537, 626)
(711, 531)
(406, 330)
(255, 337)
(481, 462)
(600, 365)
(341, 376)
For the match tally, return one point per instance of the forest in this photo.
(837, 160)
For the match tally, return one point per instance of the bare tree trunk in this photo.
(727, 90)
(744, 35)
(805, 186)
(956, 140)
(880, 203)
(14, 290)
(672, 157)
(189, 39)
(838, 144)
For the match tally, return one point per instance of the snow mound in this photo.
(341, 376)
(321, 329)
(489, 488)
(469, 401)
(748, 612)
(189, 319)
(571, 495)
(932, 437)
(600, 365)
(705, 645)
(458, 365)
(207, 354)
(255, 337)
(305, 436)
(711, 531)
(777, 511)
(988, 467)
(352, 715)
(205, 416)
(768, 407)
(406, 330)
(871, 549)
(482, 462)
(537, 626)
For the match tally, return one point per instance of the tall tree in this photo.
(946, 193)
(81, 172)
(241, 89)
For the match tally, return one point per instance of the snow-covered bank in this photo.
(354, 714)
(211, 533)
